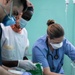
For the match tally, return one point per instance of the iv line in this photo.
(66, 14)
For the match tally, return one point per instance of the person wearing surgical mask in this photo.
(7, 19)
(3, 70)
(14, 41)
(50, 49)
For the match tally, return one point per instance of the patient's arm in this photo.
(5, 72)
(46, 71)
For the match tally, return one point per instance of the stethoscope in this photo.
(56, 56)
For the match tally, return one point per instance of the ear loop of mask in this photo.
(3, 9)
(11, 9)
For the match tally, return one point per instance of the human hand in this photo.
(26, 64)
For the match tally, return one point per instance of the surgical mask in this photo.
(8, 19)
(56, 46)
(23, 23)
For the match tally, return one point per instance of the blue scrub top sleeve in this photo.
(69, 50)
(38, 56)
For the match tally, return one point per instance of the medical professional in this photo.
(2, 70)
(14, 42)
(7, 20)
(50, 49)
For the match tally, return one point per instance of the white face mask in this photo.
(56, 46)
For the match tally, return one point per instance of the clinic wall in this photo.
(52, 9)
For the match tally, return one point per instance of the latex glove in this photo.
(26, 64)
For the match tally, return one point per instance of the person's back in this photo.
(50, 49)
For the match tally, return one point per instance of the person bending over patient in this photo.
(51, 48)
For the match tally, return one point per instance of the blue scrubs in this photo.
(41, 53)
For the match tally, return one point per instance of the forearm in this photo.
(5, 72)
(10, 63)
(46, 71)
(51, 73)
(6, 68)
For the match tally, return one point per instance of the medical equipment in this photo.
(8, 19)
(66, 14)
(74, 1)
(55, 57)
(38, 71)
(48, 53)
(67, 2)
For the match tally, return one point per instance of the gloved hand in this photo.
(26, 64)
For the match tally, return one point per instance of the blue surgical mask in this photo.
(8, 19)
(23, 23)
